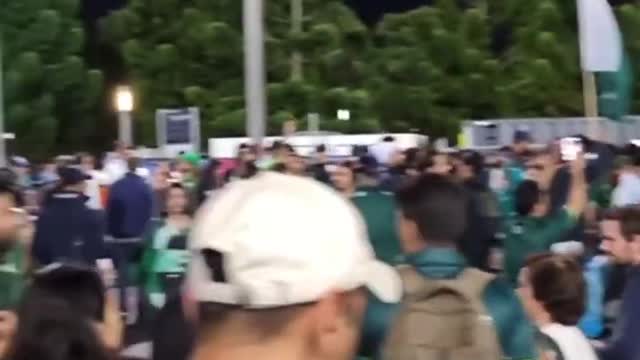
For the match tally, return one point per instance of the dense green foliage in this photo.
(50, 95)
(424, 70)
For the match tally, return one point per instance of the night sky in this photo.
(370, 10)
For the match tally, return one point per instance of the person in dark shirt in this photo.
(483, 212)
(67, 230)
(621, 240)
(128, 215)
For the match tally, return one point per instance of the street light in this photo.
(124, 105)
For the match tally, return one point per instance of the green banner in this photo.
(615, 90)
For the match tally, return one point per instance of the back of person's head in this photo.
(133, 163)
(527, 196)
(555, 283)
(435, 208)
(57, 316)
(293, 299)
(388, 139)
(474, 160)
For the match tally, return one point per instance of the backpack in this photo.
(443, 320)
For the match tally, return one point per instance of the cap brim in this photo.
(382, 280)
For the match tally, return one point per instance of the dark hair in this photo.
(178, 186)
(7, 188)
(388, 138)
(527, 196)
(321, 149)
(437, 206)
(133, 163)
(473, 159)
(558, 284)
(629, 218)
(56, 316)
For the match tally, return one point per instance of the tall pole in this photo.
(125, 128)
(590, 98)
(297, 18)
(254, 69)
(3, 151)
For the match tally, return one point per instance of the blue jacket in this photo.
(625, 345)
(129, 207)
(67, 230)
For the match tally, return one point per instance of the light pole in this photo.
(254, 71)
(124, 105)
(3, 147)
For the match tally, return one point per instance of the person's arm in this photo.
(578, 194)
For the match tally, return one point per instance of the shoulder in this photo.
(515, 332)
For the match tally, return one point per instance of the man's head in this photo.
(343, 177)
(433, 212)
(279, 267)
(521, 141)
(620, 230)
(531, 200)
(553, 289)
(438, 164)
(11, 217)
(470, 165)
(73, 179)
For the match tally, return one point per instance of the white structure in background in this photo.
(178, 130)
(338, 145)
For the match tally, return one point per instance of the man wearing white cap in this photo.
(281, 266)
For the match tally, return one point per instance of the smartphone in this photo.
(570, 148)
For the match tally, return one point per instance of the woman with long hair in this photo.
(65, 315)
(166, 256)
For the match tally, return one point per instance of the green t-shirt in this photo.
(12, 277)
(378, 209)
(526, 236)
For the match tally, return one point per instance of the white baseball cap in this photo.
(283, 241)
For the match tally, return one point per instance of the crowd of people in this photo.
(400, 254)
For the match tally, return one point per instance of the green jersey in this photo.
(526, 236)
(12, 277)
(378, 209)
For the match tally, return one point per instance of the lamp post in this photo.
(124, 105)
(254, 70)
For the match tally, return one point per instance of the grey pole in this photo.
(125, 129)
(3, 151)
(254, 70)
(297, 19)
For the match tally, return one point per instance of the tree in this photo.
(50, 94)
(433, 73)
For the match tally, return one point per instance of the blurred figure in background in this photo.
(165, 259)
(13, 260)
(22, 169)
(245, 166)
(88, 165)
(65, 315)
(115, 163)
(210, 180)
(384, 151)
(295, 164)
(318, 168)
(160, 184)
(553, 291)
(438, 163)
(483, 211)
(627, 191)
(128, 214)
(67, 230)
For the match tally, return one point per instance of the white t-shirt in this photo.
(571, 341)
(383, 152)
(628, 190)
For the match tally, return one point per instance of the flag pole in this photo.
(590, 98)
